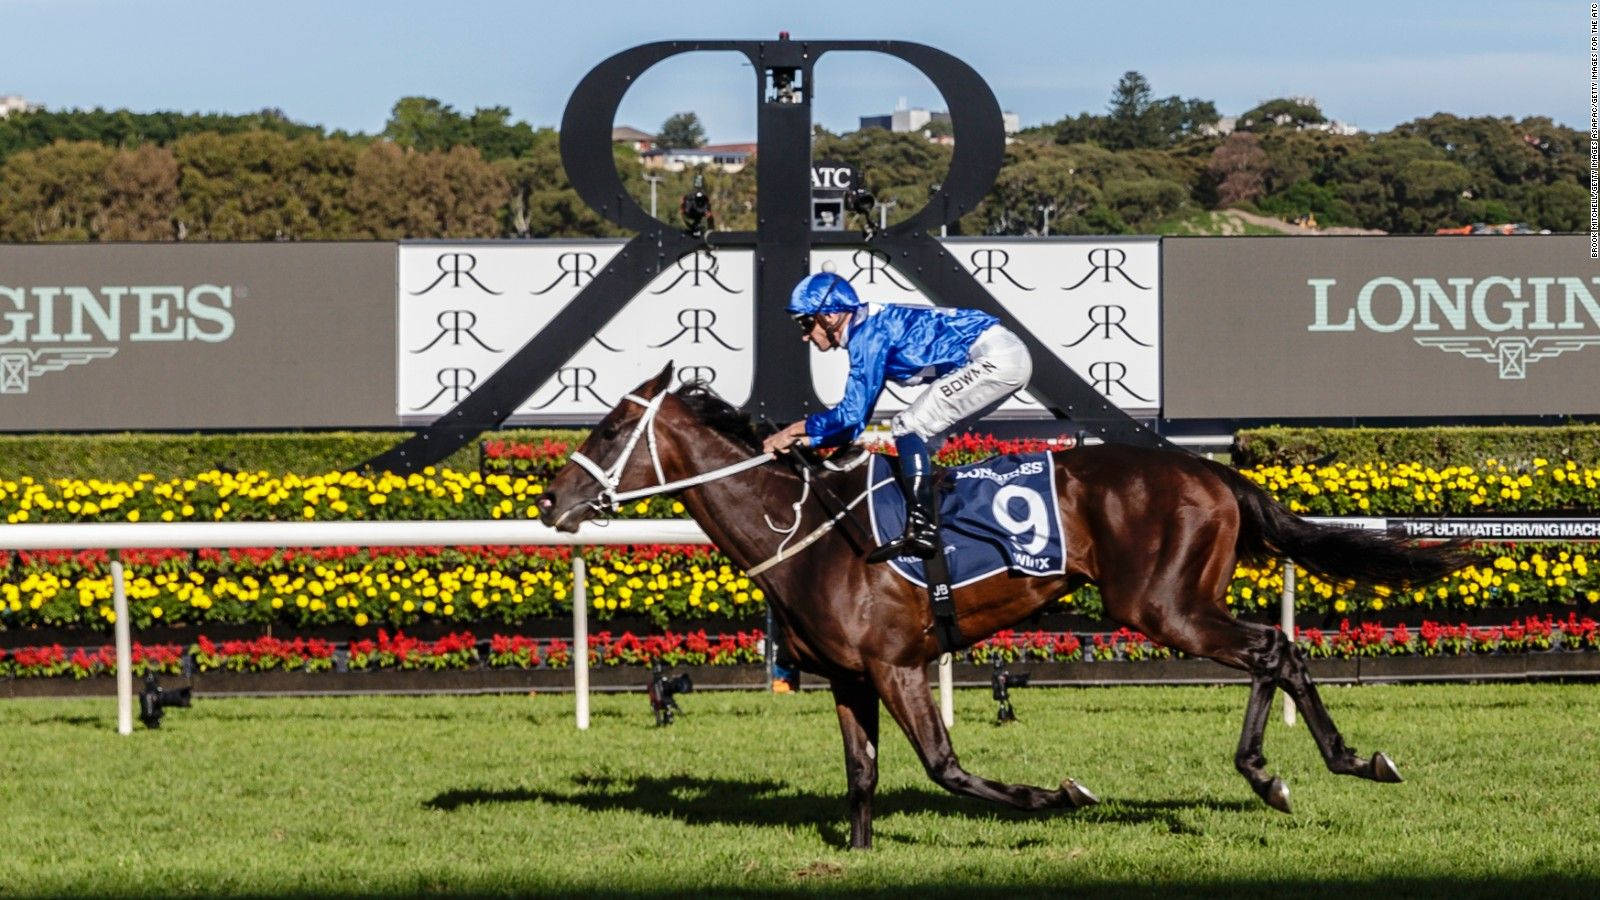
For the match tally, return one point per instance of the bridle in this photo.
(611, 479)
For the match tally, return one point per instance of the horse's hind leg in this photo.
(905, 692)
(1273, 660)
(1248, 758)
(1340, 757)
(857, 704)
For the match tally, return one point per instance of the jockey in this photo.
(969, 362)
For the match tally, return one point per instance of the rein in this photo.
(610, 479)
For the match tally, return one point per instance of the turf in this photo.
(744, 795)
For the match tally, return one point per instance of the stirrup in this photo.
(920, 539)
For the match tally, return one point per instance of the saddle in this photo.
(997, 515)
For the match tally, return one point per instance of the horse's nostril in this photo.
(546, 502)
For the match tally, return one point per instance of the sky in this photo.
(343, 64)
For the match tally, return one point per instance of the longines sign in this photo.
(148, 336)
(1397, 326)
(463, 307)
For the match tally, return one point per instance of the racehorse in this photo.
(1160, 532)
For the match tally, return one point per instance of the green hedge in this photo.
(1516, 447)
(125, 456)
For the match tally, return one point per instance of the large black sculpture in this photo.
(782, 240)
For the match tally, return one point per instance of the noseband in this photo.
(611, 479)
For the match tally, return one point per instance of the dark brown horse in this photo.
(1159, 532)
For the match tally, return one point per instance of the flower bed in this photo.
(463, 650)
(473, 586)
(468, 586)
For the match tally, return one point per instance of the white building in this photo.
(905, 119)
(12, 103)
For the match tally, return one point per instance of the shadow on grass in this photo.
(768, 803)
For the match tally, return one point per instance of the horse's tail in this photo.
(1335, 553)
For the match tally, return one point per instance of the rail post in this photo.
(124, 639)
(947, 690)
(580, 637)
(1287, 621)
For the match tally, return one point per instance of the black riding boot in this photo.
(921, 537)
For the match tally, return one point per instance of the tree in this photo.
(681, 131)
(54, 193)
(1238, 165)
(261, 186)
(1280, 112)
(1127, 124)
(141, 195)
(542, 202)
(399, 194)
(423, 123)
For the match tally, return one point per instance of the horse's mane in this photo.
(727, 420)
(721, 415)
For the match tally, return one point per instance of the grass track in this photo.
(501, 795)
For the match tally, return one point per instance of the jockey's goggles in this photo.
(805, 321)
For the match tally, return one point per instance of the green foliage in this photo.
(440, 173)
(125, 129)
(1515, 447)
(681, 131)
(1281, 113)
(1305, 197)
(423, 123)
(126, 456)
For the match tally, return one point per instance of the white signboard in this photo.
(1094, 302)
(464, 309)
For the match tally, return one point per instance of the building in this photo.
(13, 103)
(905, 119)
(638, 140)
(728, 157)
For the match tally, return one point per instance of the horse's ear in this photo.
(660, 383)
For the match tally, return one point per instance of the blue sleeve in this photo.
(869, 351)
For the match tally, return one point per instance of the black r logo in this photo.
(577, 263)
(994, 260)
(456, 266)
(692, 321)
(1106, 266)
(872, 263)
(453, 324)
(694, 270)
(456, 382)
(577, 379)
(1106, 316)
(1103, 375)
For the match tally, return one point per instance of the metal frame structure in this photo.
(782, 241)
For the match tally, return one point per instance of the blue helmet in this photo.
(824, 292)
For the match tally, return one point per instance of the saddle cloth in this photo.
(996, 515)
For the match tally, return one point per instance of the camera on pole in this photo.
(154, 700)
(1000, 684)
(663, 691)
(695, 209)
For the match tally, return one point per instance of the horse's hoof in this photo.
(1277, 795)
(1383, 769)
(1078, 795)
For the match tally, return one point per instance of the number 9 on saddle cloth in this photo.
(996, 515)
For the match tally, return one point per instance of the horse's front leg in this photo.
(857, 704)
(905, 692)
